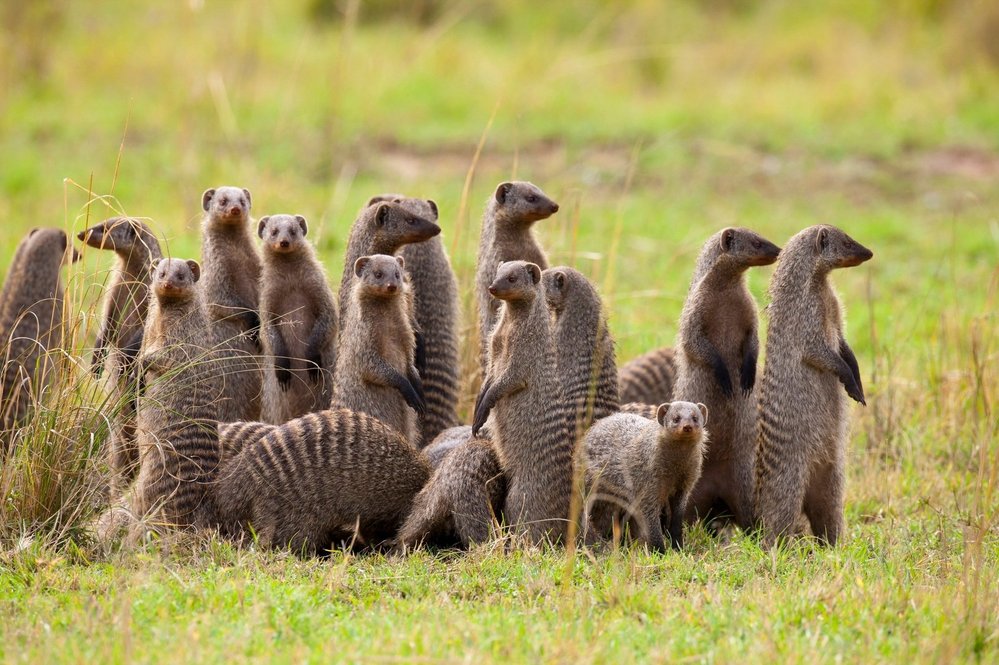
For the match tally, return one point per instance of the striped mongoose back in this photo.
(642, 471)
(717, 348)
(233, 437)
(506, 236)
(316, 478)
(232, 294)
(298, 322)
(804, 417)
(649, 378)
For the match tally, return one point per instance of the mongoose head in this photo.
(227, 205)
(746, 248)
(283, 234)
(683, 422)
(50, 246)
(516, 280)
(425, 208)
(119, 234)
(395, 225)
(379, 275)
(564, 285)
(522, 202)
(174, 279)
(834, 249)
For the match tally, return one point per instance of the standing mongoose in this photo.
(31, 326)
(804, 416)
(177, 427)
(643, 471)
(717, 348)
(231, 291)
(529, 413)
(323, 476)
(375, 373)
(435, 308)
(298, 322)
(120, 337)
(506, 236)
(648, 379)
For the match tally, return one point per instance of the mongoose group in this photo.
(250, 399)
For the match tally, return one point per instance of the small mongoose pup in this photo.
(231, 288)
(804, 416)
(435, 307)
(506, 236)
(321, 477)
(717, 347)
(375, 373)
(529, 413)
(31, 325)
(648, 379)
(177, 427)
(643, 471)
(298, 321)
(120, 337)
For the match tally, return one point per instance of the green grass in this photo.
(654, 125)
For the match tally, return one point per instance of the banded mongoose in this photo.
(298, 322)
(321, 477)
(648, 379)
(31, 325)
(232, 294)
(375, 373)
(233, 437)
(177, 426)
(435, 307)
(717, 348)
(804, 417)
(120, 337)
(529, 413)
(506, 236)
(642, 471)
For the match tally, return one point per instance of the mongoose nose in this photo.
(285, 244)
(554, 207)
(392, 288)
(82, 235)
(493, 290)
(687, 429)
(233, 211)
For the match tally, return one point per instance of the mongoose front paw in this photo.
(315, 362)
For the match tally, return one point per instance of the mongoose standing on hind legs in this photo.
(642, 471)
(231, 290)
(298, 322)
(716, 352)
(506, 236)
(375, 373)
(804, 417)
(529, 420)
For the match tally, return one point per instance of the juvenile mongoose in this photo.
(643, 471)
(717, 348)
(231, 291)
(435, 307)
(648, 379)
(325, 475)
(506, 236)
(125, 305)
(804, 417)
(31, 325)
(298, 321)
(375, 372)
(177, 427)
(523, 391)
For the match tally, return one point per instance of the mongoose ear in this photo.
(359, 265)
(378, 198)
(195, 269)
(727, 236)
(304, 225)
(821, 240)
(560, 279)
(704, 413)
(34, 231)
(502, 191)
(401, 261)
(661, 413)
(153, 264)
(206, 199)
(433, 208)
(381, 214)
(249, 201)
(534, 271)
(262, 224)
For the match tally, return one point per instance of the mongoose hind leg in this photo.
(780, 496)
(823, 502)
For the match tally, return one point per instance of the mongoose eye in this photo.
(531, 198)
(511, 279)
(273, 233)
(397, 274)
(676, 419)
(224, 202)
(379, 274)
(756, 244)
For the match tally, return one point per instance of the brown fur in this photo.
(648, 378)
(804, 415)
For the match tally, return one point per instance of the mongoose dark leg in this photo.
(846, 353)
(825, 359)
(653, 529)
(824, 502)
(750, 354)
(676, 511)
(381, 373)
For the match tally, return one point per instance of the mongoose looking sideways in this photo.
(523, 391)
(716, 351)
(298, 321)
(375, 372)
(177, 428)
(804, 417)
(648, 379)
(232, 294)
(506, 236)
(435, 307)
(642, 471)
(320, 477)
